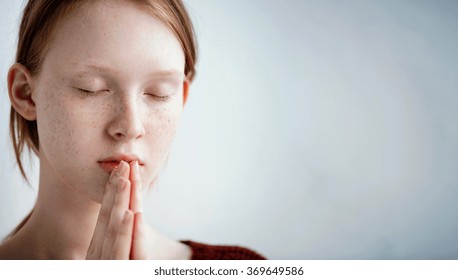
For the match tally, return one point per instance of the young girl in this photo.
(97, 91)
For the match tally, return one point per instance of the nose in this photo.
(127, 122)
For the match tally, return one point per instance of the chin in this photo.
(94, 189)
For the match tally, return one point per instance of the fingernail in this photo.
(113, 175)
(127, 217)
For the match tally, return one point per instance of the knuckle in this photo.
(104, 212)
(110, 233)
(125, 182)
(124, 188)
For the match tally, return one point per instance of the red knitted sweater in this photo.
(218, 252)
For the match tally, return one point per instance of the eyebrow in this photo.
(156, 74)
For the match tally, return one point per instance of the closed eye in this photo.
(87, 92)
(90, 92)
(159, 97)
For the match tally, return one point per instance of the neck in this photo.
(62, 222)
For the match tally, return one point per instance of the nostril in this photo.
(126, 128)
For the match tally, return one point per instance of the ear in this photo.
(20, 91)
(185, 90)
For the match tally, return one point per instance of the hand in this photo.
(138, 251)
(118, 230)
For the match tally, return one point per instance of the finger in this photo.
(139, 239)
(95, 248)
(122, 245)
(118, 208)
(120, 205)
(136, 203)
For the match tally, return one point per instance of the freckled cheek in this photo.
(51, 119)
(61, 126)
(160, 130)
(167, 121)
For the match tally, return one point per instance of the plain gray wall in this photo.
(314, 130)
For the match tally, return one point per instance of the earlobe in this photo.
(185, 91)
(20, 91)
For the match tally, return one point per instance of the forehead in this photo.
(117, 35)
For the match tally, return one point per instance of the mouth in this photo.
(108, 164)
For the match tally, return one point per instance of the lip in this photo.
(112, 162)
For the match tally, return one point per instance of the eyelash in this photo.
(161, 98)
(87, 92)
(157, 97)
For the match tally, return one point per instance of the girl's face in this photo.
(111, 84)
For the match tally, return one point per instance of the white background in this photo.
(314, 130)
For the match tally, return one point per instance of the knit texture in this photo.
(219, 252)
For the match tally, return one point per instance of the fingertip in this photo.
(123, 169)
(136, 166)
(127, 216)
(134, 170)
